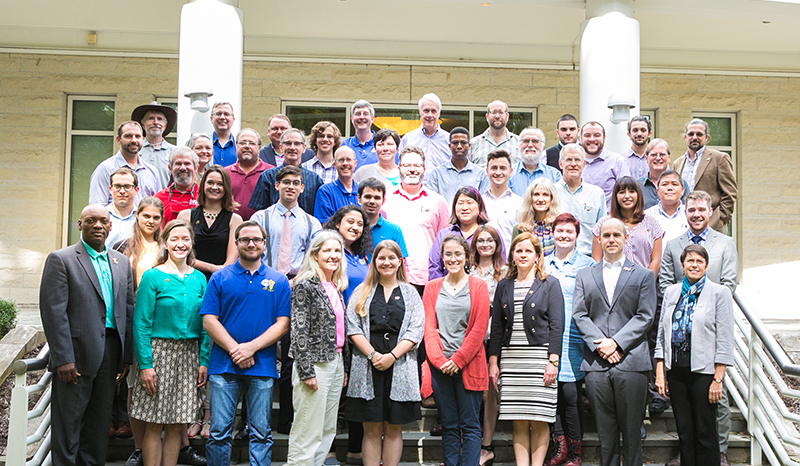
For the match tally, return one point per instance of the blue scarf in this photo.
(682, 322)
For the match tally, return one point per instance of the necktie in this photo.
(285, 245)
(697, 239)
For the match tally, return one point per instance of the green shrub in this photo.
(8, 316)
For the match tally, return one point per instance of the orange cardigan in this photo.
(471, 356)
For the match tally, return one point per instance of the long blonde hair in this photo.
(511, 271)
(310, 268)
(527, 214)
(373, 276)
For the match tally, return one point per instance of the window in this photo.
(722, 132)
(650, 115)
(90, 140)
(401, 117)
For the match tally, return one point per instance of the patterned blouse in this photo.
(639, 247)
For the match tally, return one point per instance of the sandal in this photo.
(206, 429)
(490, 449)
(194, 429)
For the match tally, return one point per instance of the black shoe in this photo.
(189, 456)
(243, 434)
(436, 430)
(135, 459)
(657, 406)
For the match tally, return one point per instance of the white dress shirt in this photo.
(611, 271)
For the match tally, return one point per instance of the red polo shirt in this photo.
(175, 201)
(243, 185)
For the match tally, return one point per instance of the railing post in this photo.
(752, 422)
(17, 446)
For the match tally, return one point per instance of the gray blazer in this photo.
(405, 378)
(626, 319)
(74, 314)
(712, 328)
(723, 262)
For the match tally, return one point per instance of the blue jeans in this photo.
(224, 392)
(459, 410)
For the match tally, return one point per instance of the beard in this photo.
(530, 158)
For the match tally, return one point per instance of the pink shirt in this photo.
(420, 217)
(338, 312)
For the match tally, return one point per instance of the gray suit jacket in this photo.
(712, 328)
(626, 319)
(73, 312)
(723, 261)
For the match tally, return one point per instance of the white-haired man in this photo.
(531, 165)
(430, 137)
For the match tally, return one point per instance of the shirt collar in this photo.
(379, 223)
(679, 211)
(94, 254)
(697, 155)
(467, 168)
(260, 167)
(613, 265)
(703, 235)
(216, 139)
(402, 192)
(239, 270)
(601, 156)
(507, 193)
(539, 168)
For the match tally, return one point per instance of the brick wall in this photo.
(34, 89)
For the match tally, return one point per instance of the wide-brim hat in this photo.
(169, 113)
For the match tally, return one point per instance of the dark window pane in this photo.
(517, 121)
(306, 117)
(720, 131)
(93, 115)
(87, 153)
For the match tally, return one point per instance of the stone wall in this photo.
(34, 90)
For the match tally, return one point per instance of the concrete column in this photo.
(609, 64)
(210, 59)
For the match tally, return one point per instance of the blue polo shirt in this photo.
(332, 197)
(357, 268)
(247, 305)
(365, 153)
(224, 155)
(384, 229)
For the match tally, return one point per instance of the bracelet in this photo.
(392, 353)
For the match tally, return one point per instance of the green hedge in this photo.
(8, 316)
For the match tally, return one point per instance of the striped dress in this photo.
(523, 395)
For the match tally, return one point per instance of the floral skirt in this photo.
(175, 401)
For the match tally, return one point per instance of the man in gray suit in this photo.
(723, 268)
(86, 304)
(614, 306)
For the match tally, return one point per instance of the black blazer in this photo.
(542, 315)
(553, 154)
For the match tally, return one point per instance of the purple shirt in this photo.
(604, 171)
(637, 166)
(436, 148)
(639, 248)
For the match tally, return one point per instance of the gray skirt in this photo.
(175, 401)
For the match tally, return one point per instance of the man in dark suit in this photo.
(708, 170)
(567, 132)
(86, 304)
(614, 306)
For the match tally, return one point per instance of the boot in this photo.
(574, 454)
(559, 451)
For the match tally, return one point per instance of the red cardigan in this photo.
(471, 356)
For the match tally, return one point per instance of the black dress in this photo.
(385, 320)
(211, 242)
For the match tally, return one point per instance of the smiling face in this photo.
(467, 210)
(289, 188)
(531, 146)
(541, 199)
(657, 159)
(214, 189)
(486, 244)
(149, 220)
(351, 227)
(429, 115)
(94, 226)
(411, 169)
(130, 143)
(698, 214)
(498, 170)
(564, 235)
(250, 244)
(572, 165)
(454, 257)
(386, 150)
(293, 146)
(626, 199)
(387, 263)
(694, 266)
(639, 134)
(362, 119)
(179, 244)
(592, 139)
(328, 257)
(524, 256)
(275, 129)
(222, 119)
(154, 124)
(371, 201)
(695, 137)
(183, 170)
(670, 189)
(497, 115)
(345, 162)
(325, 140)
(204, 150)
(247, 148)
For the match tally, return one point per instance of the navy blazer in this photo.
(542, 315)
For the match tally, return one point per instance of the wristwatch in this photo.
(718, 380)
(371, 355)
(555, 363)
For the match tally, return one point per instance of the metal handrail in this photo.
(18, 438)
(784, 362)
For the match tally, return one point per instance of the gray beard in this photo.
(531, 159)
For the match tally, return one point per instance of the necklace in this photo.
(210, 216)
(456, 286)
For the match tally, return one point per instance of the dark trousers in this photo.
(618, 399)
(119, 409)
(695, 417)
(81, 413)
(459, 410)
(285, 411)
(569, 410)
(652, 333)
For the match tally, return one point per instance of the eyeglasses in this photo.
(286, 182)
(531, 141)
(245, 241)
(293, 143)
(658, 156)
(571, 160)
(412, 165)
(450, 255)
(247, 143)
(122, 187)
(496, 112)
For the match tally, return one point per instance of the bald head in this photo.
(613, 236)
(94, 226)
(344, 159)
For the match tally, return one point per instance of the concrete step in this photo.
(420, 447)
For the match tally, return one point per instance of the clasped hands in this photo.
(449, 368)
(242, 355)
(608, 349)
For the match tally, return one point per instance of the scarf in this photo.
(682, 322)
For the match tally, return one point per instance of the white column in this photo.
(609, 64)
(210, 58)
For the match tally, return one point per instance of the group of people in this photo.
(364, 277)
